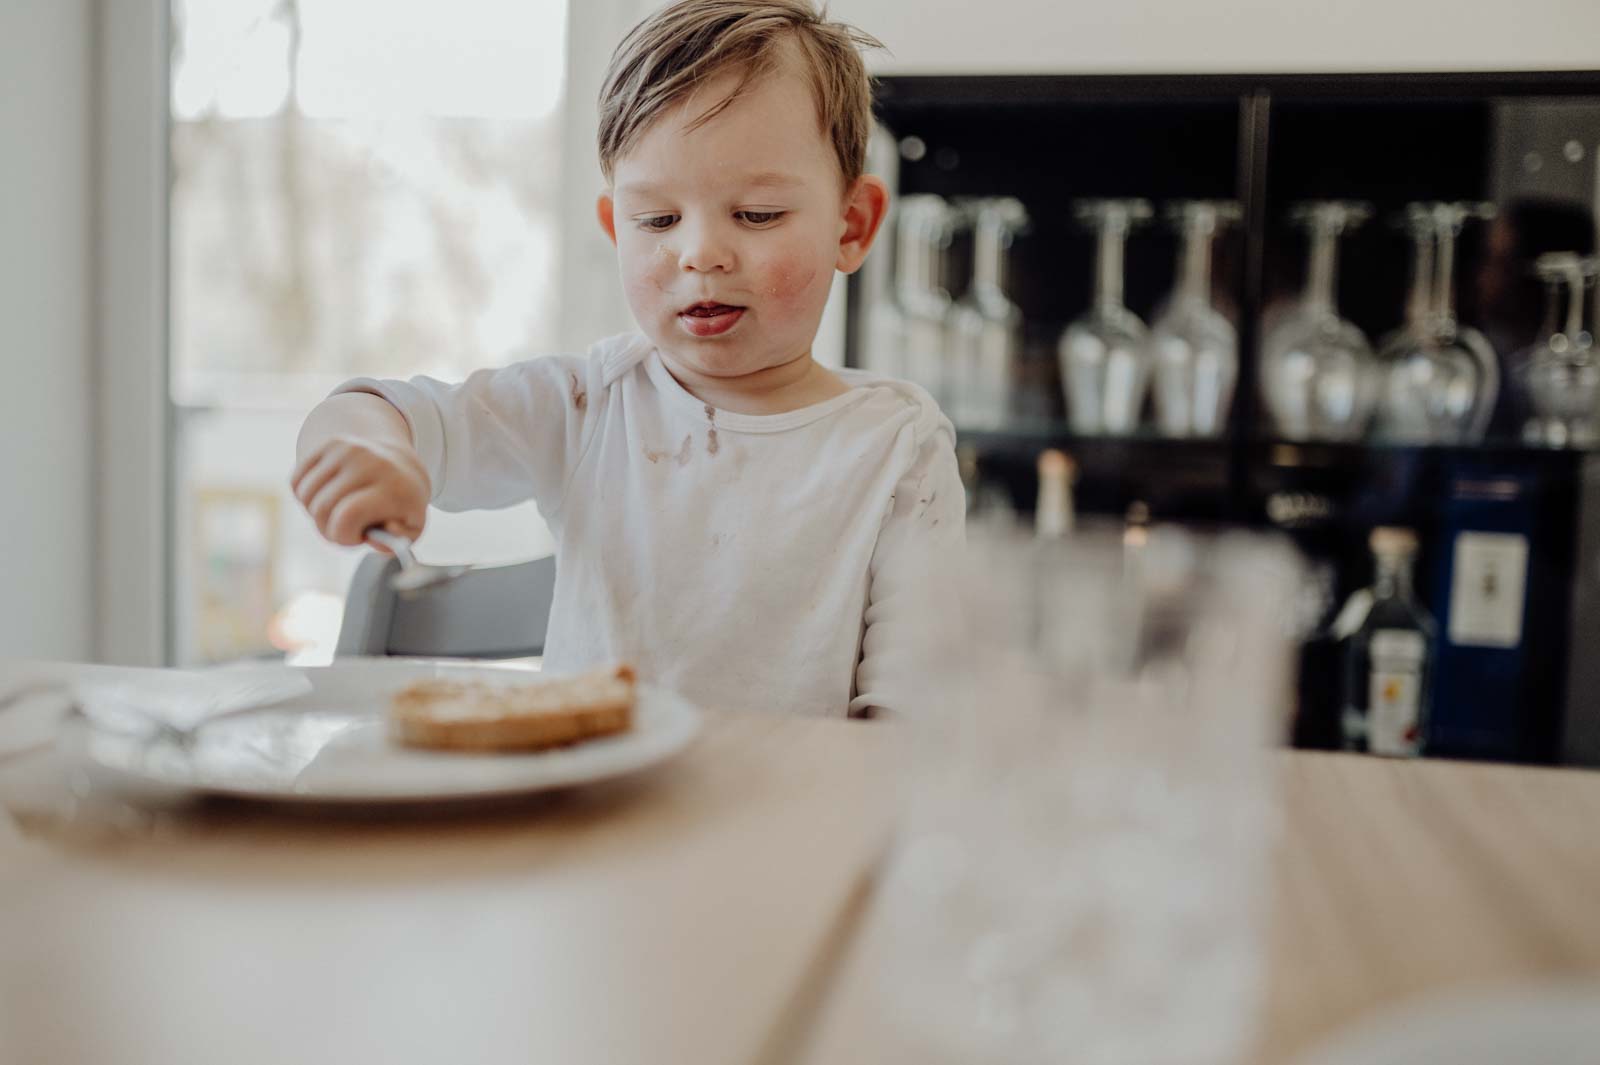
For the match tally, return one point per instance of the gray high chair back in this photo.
(502, 612)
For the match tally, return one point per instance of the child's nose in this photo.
(705, 248)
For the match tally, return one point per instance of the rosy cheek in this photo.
(649, 270)
(791, 281)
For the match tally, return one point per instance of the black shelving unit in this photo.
(1268, 141)
(1263, 140)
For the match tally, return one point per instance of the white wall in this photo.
(1232, 36)
(46, 437)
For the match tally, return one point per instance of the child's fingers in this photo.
(331, 495)
(394, 527)
(314, 480)
(303, 467)
(398, 527)
(355, 513)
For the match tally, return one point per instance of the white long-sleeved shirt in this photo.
(749, 562)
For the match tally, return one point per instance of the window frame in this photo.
(132, 476)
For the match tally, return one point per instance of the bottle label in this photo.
(1488, 586)
(1394, 693)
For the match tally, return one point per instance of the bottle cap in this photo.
(1389, 540)
(1053, 463)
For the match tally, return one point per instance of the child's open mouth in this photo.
(710, 319)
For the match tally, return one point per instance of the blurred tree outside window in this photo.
(358, 188)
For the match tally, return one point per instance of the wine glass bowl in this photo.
(1318, 373)
(1440, 378)
(986, 325)
(1195, 348)
(1560, 373)
(1104, 354)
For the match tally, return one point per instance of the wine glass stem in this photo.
(1194, 265)
(912, 279)
(1421, 301)
(936, 238)
(1574, 302)
(1552, 307)
(1445, 285)
(989, 259)
(1324, 264)
(1108, 272)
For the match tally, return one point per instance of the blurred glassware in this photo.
(1318, 375)
(1470, 420)
(1440, 379)
(958, 375)
(927, 230)
(886, 331)
(1551, 272)
(1416, 223)
(1196, 349)
(883, 352)
(953, 270)
(1560, 372)
(1589, 273)
(1083, 867)
(1104, 354)
(986, 324)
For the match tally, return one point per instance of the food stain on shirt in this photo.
(580, 398)
(711, 434)
(681, 458)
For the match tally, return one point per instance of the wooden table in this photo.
(714, 910)
(1394, 879)
(1401, 878)
(670, 918)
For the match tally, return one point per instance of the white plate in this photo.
(1551, 1024)
(332, 745)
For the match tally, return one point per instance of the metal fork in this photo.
(154, 727)
(151, 726)
(414, 576)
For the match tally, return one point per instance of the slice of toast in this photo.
(548, 712)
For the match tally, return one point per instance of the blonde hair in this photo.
(665, 56)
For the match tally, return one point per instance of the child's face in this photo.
(728, 235)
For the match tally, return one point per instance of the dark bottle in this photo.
(1388, 657)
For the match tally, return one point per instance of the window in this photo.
(359, 187)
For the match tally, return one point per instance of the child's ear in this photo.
(603, 209)
(865, 205)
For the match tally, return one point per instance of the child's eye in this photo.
(759, 218)
(657, 222)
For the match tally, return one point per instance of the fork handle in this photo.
(401, 546)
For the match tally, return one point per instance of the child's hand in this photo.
(350, 484)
